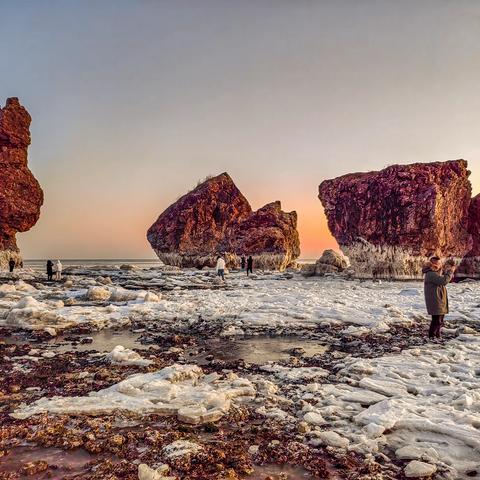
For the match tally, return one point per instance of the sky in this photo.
(134, 101)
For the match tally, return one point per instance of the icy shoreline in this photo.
(379, 392)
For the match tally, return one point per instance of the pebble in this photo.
(313, 418)
(417, 469)
(330, 439)
(253, 449)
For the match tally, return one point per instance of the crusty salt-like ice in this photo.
(181, 390)
(416, 469)
(293, 374)
(427, 397)
(181, 448)
(160, 473)
(96, 292)
(248, 306)
(124, 356)
(329, 438)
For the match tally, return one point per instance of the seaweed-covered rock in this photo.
(215, 218)
(20, 194)
(388, 222)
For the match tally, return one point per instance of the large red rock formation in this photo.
(20, 194)
(215, 218)
(269, 234)
(470, 265)
(388, 222)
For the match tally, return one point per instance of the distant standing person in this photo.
(58, 275)
(436, 297)
(249, 265)
(243, 261)
(221, 268)
(11, 265)
(49, 270)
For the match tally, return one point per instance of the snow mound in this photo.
(31, 313)
(96, 293)
(119, 294)
(124, 356)
(7, 288)
(181, 390)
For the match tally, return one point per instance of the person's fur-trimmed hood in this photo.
(427, 268)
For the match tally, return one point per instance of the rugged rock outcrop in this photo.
(188, 233)
(269, 235)
(388, 222)
(470, 265)
(330, 262)
(20, 194)
(215, 218)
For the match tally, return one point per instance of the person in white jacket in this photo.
(58, 273)
(221, 268)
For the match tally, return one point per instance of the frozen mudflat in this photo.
(350, 378)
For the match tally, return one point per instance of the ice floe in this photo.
(181, 390)
(124, 356)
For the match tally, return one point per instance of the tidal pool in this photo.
(257, 350)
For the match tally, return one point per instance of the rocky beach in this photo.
(126, 372)
(239, 240)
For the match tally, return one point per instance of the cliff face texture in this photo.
(20, 194)
(215, 218)
(470, 265)
(269, 234)
(389, 222)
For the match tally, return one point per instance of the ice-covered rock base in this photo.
(383, 261)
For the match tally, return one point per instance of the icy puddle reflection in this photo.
(257, 350)
(252, 349)
(103, 341)
(279, 472)
(58, 463)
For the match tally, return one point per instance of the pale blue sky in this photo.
(134, 101)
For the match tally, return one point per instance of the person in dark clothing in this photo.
(249, 265)
(11, 265)
(436, 297)
(50, 270)
(243, 262)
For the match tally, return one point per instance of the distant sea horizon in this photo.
(141, 262)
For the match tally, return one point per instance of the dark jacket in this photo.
(436, 297)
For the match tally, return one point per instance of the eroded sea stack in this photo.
(20, 194)
(215, 218)
(389, 222)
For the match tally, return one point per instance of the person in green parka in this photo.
(436, 297)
